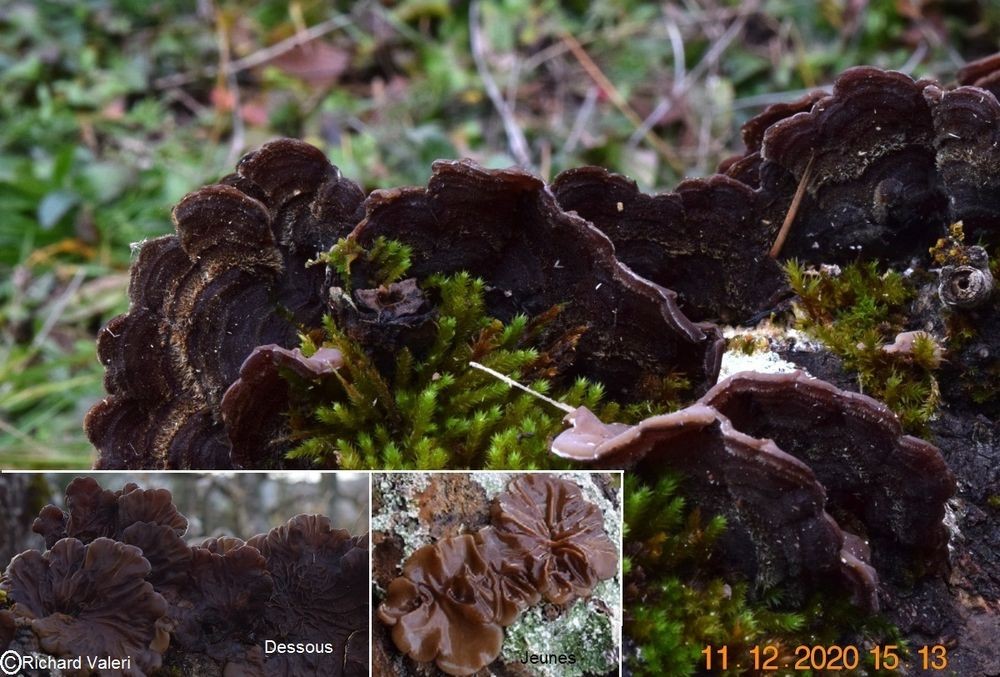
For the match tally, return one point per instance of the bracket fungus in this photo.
(781, 454)
(702, 241)
(386, 319)
(445, 607)
(454, 597)
(778, 530)
(231, 279)
(894, 484)
(90, 600)
(254, 406)
(505, 227)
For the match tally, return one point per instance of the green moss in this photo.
(389, 259)
(951, 249)
(436, 411)
(747, 344)
(857, 313)
(994, 501)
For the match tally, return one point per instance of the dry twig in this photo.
(260, 57)
(793, 209)
(516, 140)
(598, 76)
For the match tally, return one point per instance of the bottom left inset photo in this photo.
(235, 574)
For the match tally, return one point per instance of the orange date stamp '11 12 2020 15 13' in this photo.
(834, 657)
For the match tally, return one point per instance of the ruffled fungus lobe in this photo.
(773, 452)
(233, 278)
(778, 531)
(92, 512)
(703, 241)
(320, 595)
(222, 607)
(254, 407)
(505, 227)
(90, 600)
(446, 607)
(453, 598)
(168, 555)
(145, 518)
(559, 536)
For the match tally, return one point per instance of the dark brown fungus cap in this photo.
(320, 594)
(444, 607)
(223, 604)
(778, 531)
(754, 129)
(92, 512)
(704, 241)
(168, 555)
(872, 190)
(233, 278)
(967, 143)
(8, 628)
(506, 227)
(51, 524)
(255, 405)
(386, 319)
(983, 73)
(558, 535)
(896, 485)
(90, 600)
(222, 544)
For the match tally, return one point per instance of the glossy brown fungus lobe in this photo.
(557, 534)
(792, 453)
(90, 600)
(231, 279)
(505, 227)
(454, 597)
(254, 407)
(703, 241)
(778, 530)
(320, 595)
(443, 608)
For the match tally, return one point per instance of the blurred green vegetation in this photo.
(110, 110)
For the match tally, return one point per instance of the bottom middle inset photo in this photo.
(517, 571)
